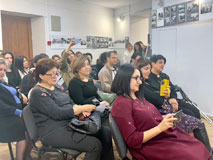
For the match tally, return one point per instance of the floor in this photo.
(4, 152)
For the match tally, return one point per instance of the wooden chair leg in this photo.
(11, 151)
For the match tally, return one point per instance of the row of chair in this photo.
(32, 133)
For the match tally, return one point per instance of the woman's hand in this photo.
(106, 103)
(88, 108)
(167, 91)
(86, 114)
(174, 104)
(167, 122)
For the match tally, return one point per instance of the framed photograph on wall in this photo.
(192, 11)
(167, 16)
(206, 11)
(154, 19)
(181, 9)
(173, 14)
(160, 17)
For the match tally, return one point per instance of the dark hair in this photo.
(56, 56)
(126, 45)
(88, 54)
(19, 63)
(140, 48)
(103, 58)
(69, 50)
(43, 66)
(143, 62)
(13, 62)
(38, 57)
(108, 55)
(121, 82)
(157, 57)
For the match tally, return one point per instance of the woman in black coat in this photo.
(11, 125)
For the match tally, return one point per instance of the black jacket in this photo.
(8, 103)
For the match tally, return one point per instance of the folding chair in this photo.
(119, 141)
(33, 136)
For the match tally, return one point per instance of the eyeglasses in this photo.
(53, 75)
(138, 78)
(3, 70)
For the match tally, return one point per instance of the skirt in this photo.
(12, 129)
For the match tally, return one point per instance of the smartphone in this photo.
(163, 85)
(179, 116)
(77, 40)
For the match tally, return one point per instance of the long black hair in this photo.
(121, 82)
(19, 63)
(13, 61)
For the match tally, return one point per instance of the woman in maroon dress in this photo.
(149, 136)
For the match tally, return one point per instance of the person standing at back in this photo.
(108, 72)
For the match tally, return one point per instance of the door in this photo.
(17, 35)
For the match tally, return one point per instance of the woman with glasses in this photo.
(83, 91)
(12, 128)
(53, 109)
(147, 134)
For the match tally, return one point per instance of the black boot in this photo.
(201, 134)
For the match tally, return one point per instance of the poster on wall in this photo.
(173, 14)
(160, 17)
(167, 16)
(206, 10)
(154, 19)
(61, 41)
(192, 10)
(181, 9)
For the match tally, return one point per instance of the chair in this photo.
(119, 141)
(33, 136)
(10, 150)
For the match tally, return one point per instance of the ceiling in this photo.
(112, 3)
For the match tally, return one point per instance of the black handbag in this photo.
(90, 125)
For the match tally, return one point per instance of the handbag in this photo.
(90, 125)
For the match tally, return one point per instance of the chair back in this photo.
(29, 123)
(119, 141)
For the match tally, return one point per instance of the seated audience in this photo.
(108, 72)
(147, 134)
(21, 64)
(188, 123)
(128, 53)
(154, 81)
(65, 63)
(13, 76)
(12, 128)
(53, 109)
(28, 82)
(56, 58)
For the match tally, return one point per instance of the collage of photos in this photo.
(181, 13)
(192, 11)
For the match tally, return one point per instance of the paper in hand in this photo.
(101, 107)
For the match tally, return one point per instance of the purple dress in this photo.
(133, 118)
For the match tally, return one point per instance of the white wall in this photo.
(139, 29)
(188, 49)
(77, 18)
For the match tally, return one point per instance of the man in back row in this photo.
(107, 73)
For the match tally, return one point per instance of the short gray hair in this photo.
(2, 61)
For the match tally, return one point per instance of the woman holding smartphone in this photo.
(148, 134)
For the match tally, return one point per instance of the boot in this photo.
(201, 134)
